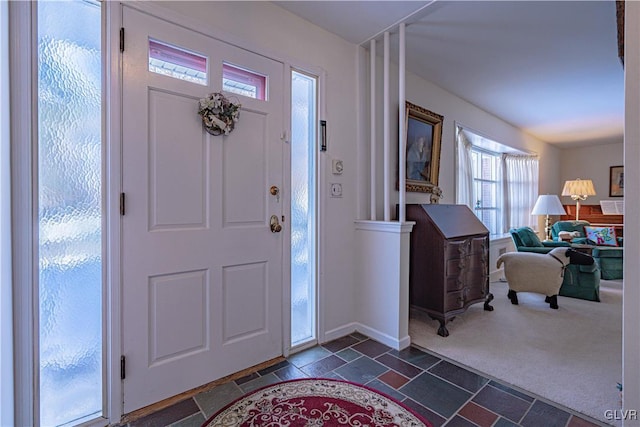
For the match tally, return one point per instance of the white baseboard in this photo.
(339, 332)
(397, 344)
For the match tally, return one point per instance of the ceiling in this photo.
(549, 68)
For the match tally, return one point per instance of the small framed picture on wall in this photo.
(616, 181)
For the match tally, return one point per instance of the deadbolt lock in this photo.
(275, 191)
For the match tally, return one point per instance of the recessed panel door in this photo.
(202, 269)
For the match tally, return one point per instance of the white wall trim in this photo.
(385, 226)
(112, 179)
(6, 298)
(23, 161)
(631, 294)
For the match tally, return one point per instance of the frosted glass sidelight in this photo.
(70, 211)
(303, 217)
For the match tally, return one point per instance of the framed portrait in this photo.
(424, 133)
(616, 181)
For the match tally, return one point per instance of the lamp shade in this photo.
(548, 204)
(579, 187)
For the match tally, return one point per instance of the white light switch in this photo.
(336, 190)
(337, 166)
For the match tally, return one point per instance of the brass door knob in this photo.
(275, 224)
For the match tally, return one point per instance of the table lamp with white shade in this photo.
(548, 204)
(579, 189)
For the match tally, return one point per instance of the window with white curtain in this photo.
(487, 187)
(497, 182)
(521, 190)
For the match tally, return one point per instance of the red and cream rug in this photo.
(316, 402)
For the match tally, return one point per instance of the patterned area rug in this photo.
(316, 402)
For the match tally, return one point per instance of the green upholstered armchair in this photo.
(527, 240)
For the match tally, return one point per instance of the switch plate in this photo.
(337, 166)
(336, 190)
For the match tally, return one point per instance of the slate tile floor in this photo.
(442, 392)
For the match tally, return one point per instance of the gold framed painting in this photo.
(423, 136)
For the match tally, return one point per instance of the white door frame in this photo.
(112, 176)
(21, 54)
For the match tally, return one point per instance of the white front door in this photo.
(201, 269)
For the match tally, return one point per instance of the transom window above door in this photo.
(177, 62)
(244, 82)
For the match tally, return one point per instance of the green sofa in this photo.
(609, 258)
(580, 281)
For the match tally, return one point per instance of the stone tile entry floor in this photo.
(442, 392)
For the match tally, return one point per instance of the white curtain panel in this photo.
(464, 185)
(521, 190)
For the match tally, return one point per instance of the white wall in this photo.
(591, 162)
(271, 30)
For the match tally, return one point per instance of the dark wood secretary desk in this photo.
(449, 262)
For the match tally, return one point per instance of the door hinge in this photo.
(122, 367)
(122, 201)
(122, 39)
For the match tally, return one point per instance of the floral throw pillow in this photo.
(602, 236)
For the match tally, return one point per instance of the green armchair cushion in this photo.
(526, 237)
(527, 240)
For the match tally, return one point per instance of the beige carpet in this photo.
(571, 356)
